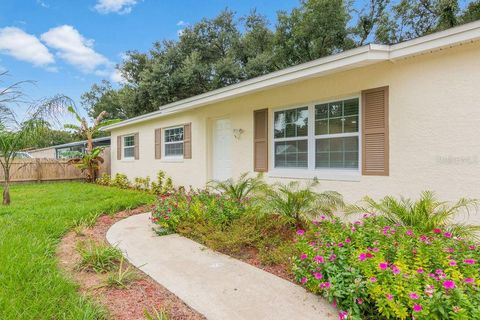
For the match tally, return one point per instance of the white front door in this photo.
(222, 149)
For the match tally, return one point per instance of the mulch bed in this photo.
(124, 304)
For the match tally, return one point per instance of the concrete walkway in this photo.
(214, 284)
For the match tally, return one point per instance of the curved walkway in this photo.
(214, 284)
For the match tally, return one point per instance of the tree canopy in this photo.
(227, 49)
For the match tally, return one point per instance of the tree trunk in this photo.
(89, 143)
(6, 193)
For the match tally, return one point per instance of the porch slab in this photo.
(216, 285)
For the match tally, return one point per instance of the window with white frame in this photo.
(336, 134)
(291, 138)
(333, 140)
(173, 142)
(128, 147)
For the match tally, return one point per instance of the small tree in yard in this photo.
(15, 134)
(91, 160)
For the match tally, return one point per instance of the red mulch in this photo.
(123, 304)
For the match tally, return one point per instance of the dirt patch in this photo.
(123, 304)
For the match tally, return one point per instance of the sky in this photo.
(65, 46)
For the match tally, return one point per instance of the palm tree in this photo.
(17, 134)
(241, 188)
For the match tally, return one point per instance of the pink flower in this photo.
(389, 296)
(362, 256)
(414, 296)
(332, 257)
(448, 284)
(317, 275)
(469, 280)
(447, 235)
(383, 265)
(375, 249)
(450, 250)
(359, 300)
(303, 256)
(471, 247)
(409, 232)
(300, 232)
(340, 244)
(469, 261)
(436, 230)
(324, 285)
(369, 255)
(319, 259)
(395, 269)
(343, 315)
(417, 308)
(452, 263)
(429, 290)
(348, 240)
(373, 279)
(419, 270)
(304, 280)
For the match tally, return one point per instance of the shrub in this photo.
(372, 269)
(240, 189)
(427, 213)
(195, 206)
(140, 183)
(299, 204)
(98, 257)
(156, 314)
(162, 185)
(104, 180)
(120, 181)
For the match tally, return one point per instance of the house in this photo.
(377, 120)
(68, 150)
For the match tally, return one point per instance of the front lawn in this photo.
(31, 285)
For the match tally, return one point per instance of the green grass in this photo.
(98, 257)
(31, 285)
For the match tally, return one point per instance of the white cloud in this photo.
(75, 49)
(182, 23)
(23, 46)
(43, 4)
(116, 6)
(117, 77)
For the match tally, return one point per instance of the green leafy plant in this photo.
(104, 180)
(240, 189)
(98, 257)
(156, 314)
(162, 185)
(140, 183)
(426, 213)
(90, 163)
(122, 277)
(372, 269)
(120, 180)
(300, 203)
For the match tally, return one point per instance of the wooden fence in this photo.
(39, 170)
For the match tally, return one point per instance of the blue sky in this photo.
(67, 45)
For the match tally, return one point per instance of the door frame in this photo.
(211, 143)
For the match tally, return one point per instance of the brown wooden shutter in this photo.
(375, 145)
(187, 141)
(260, 140)
(119, 147)
(136, 147)
(158, 143)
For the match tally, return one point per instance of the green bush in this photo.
(242, 188)
(300, 203)
(195, 206)
(120, 181)
(104, 180)
(140, 183)
(162, 185)
(373, 269)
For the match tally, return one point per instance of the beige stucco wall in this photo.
(434, 127)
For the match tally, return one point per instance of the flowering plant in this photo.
(195, 205)
(371, 269)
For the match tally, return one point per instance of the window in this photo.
(291, 138)
(129, 147)
(174, 142)
(336, 135)
(332, 141)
